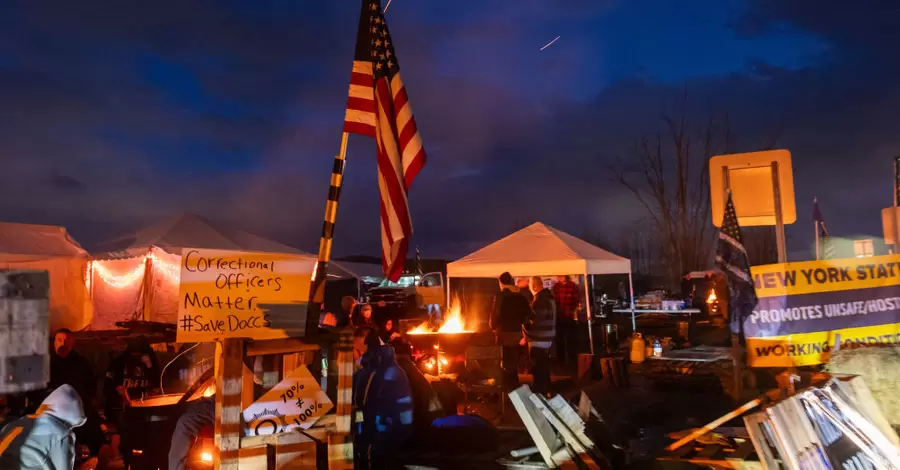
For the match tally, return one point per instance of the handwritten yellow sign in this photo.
(231, 294)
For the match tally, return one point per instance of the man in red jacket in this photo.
(567, 298)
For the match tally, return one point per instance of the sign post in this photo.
(762, 188)
(779, 218)
(890, 221)
(254, 304)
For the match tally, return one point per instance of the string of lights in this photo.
(170, 271)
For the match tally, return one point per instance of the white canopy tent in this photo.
(540, 250)
(131, 285)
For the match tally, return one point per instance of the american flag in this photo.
(378, 107)
(825, 238)
(731, 258)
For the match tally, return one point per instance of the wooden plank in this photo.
(247, 397)
(286, 450)
(737, 433)
(319, 432)
(279, 346)
(229, 378)
(573, 439)
(538, 426)
(716, 423)
(340, 442)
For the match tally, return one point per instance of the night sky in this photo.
(116, 114)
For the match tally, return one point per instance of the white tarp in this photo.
(538, 250)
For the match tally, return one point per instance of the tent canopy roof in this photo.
(37, 241)
(538, 250)
(188, 231)
(193, 231)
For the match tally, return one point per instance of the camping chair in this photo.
(486, 359)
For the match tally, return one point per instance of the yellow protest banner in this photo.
(231, 294)
(807, 310)
(809, 277)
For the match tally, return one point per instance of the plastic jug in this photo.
(637, 349)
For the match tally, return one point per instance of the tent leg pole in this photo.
(587, 306)
(631, 290)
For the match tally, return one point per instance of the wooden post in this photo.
(588, 312)
(147, 289)
(229, 378)
(340, 443)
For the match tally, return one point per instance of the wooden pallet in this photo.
(716, 456)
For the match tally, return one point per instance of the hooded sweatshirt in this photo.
(44, 440)
(382, 397)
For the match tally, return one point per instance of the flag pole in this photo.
(320, 272)
(816, 227)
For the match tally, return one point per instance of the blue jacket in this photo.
(383, 397)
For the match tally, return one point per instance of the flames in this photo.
(453, 322)
(712, 297)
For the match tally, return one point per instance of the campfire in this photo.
(453, 322)
(713, 302)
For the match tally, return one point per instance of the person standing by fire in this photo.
(511, 312)
(567, 298)
(540, 332)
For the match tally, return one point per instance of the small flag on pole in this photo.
(822, 232)
(378, 107)
(419, 261)
(731, 258)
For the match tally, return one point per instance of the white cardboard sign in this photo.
(297, 402)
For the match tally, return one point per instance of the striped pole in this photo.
(340, 443)
(320, 273)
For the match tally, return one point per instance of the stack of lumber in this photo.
(836, 425)
(559, 432)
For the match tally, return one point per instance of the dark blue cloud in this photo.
(115, 114)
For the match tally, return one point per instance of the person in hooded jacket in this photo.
(382, 402)
(44, 440)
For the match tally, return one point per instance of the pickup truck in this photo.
(410, 295)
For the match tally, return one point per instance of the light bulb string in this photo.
(168, 270)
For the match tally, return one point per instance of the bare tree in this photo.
(670, 179)
(637, 243)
